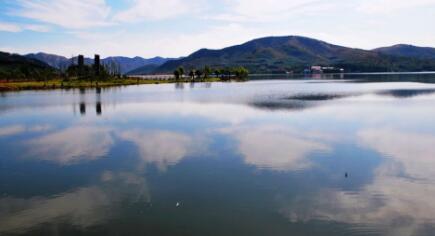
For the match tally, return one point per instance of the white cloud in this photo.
(36, 28)
(389, 6)
(142, 10)
(9, 27)
(193, 24)
(77, 14)
(15, 28)
(272, 10)
(161, 43)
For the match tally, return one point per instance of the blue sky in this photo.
(173, 28)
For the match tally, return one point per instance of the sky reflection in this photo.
(357, 159)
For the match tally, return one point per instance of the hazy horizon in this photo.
(176, 28)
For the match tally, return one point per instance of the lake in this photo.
(330, 155)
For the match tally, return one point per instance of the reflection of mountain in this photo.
(298, 101)
(406, 93)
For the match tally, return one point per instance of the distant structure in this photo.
(97, 64)
(81, 61)
(81, 64)
(316, 69)
(324, 69)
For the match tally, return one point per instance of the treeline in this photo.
(208, 72)
(91, 72)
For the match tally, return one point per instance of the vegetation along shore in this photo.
(20, 73)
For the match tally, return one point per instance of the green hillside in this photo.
(13, 66)
(294, 53)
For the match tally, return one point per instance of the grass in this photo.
(75, 83)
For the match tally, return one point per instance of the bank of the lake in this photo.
(70, 84)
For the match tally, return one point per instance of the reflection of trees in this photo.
(98, 102)
(179, 85)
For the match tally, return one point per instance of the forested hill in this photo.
(294, 53)
(13, 66)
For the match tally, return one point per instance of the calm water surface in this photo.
(346, 156)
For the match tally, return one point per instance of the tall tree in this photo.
(198, 74)
(181, 72)
(207, 72)
(177, 75)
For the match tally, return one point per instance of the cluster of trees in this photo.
(24, 72)
(207, 72)
(92, 72)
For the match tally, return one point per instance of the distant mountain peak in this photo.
(408, 50)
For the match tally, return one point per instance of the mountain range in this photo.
(126, 64)
(272, 55)
(294, 53)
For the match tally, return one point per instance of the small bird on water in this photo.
(346, 175)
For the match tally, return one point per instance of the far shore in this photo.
(72, 84)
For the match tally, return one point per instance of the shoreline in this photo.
(80, 84)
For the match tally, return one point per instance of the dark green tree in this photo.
(207, 72)
(181, 72)
(192, 74)
(177, 75)
(198, 74)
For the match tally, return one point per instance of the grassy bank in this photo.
(75, 83)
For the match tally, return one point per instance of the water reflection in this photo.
(162, 148)
(212, 159)
(98, 103)
(71, 145)
(407, 93)
(278, 147)
(19, 129)
(399, 199)
(81, 207)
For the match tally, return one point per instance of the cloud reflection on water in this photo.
(72, 145)
(398, 200)
(81, 207)
(162, 148)
(278, 147)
